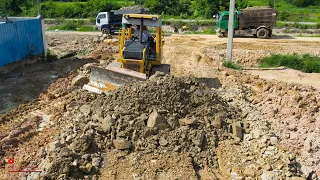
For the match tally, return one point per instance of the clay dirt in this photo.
(203, 121)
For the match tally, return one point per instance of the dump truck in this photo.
(110, 22)
(256, 21)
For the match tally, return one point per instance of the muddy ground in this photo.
(227, 124)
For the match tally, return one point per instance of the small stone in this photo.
(306, 170)
(163, 141)
(267, 167)
(107, 123)
(96, 162)
(198, 139)
(86, 169)
(274, 140)
(217, 123)
(271, 150)
(86, 156)
(53, 146)
(288, 174)
(237, 129)
(247, 137)
(121, 144)
(269, 175)
(75, 162)
(96, 40)
(81, 144)
(176, 149)
(157, 121)
(187, 121)
(85, 109)
(148, 132)
(256, 133)
(280, 166)
(80, 80)
(249, 172)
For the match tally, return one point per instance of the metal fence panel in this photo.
(19, 40)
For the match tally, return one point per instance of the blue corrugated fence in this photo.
(19, 40)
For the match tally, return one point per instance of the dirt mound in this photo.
(142, 118)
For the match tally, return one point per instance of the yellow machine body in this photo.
(128, 70)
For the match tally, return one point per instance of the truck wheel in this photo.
(263, 33)
(105, 31)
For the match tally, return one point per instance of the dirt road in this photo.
(279, 119)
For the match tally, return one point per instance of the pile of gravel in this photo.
(162, 114)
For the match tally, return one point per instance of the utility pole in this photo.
(230, 31)
(39, 11)
(45, 52)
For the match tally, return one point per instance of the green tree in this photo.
(304, 3)
(11, 7)
(170, 7)
(208, 8)
(241, 4)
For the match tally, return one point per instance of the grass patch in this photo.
(298, 25)
(50, 56)
(208, 30)
(231, 65)
(305, 62)
(68, 27)
(87, 29)
(307, 35)
(289, 12)
(73, 25)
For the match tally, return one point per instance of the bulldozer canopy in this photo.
(148, 20)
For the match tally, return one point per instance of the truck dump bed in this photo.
(254, 17)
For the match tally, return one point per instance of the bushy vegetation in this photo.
(289, 10)
(305, 62)
(298, 25)
(231, 65)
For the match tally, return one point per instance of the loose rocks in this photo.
(121, 144)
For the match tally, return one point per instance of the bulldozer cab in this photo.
(139, 51)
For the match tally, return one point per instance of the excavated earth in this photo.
(202, 122)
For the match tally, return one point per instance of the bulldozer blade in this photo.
(111, 77)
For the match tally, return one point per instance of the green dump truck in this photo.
(256, 21)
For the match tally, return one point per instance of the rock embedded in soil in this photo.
(121, 144)
(269, 175)
(81, 144)
(187, 121)
(155, 120)
(237, 129)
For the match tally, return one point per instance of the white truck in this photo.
(110, 22)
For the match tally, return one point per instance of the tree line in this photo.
(89, 8)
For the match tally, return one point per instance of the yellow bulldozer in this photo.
(139, 57)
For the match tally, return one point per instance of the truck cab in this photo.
(222, 21)
(110, 22)
(101, 20)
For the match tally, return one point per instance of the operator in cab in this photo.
(146, 35)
